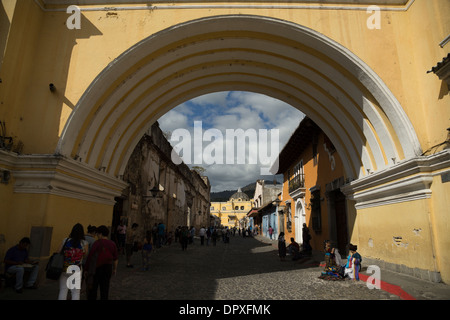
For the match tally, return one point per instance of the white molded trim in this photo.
(409, 180)
(57, 175)
(394, 5)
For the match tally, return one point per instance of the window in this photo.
(212, 208)
(298, 179)
(242, 207)
(314, 150)
(288, 217)
(329, 145)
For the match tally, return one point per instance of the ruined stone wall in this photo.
(184, 194)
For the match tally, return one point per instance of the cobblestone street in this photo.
(244, 269)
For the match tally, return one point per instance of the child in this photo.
(146, 250)
(329, 255)
(353, 265)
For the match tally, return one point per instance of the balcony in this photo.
(297, 186)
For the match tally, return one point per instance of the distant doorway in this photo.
(339, 215)
(299, 219)
(118, 216)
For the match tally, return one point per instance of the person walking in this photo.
(155, 236)
(90, 237)
(208, 236)
(184, 238)
(192, 235)
(281, 246)
(130, 243)
(121, 236)
(75, 248)
(161, 234)
(201, 234)
(270, 232)
(101, 265)
(214, 237)
(306, 237)
(147, 250)
(177, 233)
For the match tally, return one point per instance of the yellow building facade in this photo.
(312, 176)
(79, 86)
(232, 212)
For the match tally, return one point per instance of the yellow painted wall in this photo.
(223, 214)
(440, 221)
(40, 50)
(58, 212)
(64, 212)
(6, 194)
(401, 238)
(400, 53)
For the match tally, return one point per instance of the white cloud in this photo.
(172, 120)
(218, 99)
(233, 110)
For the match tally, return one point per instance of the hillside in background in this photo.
(224, 196)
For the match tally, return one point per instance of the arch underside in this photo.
(247, 53)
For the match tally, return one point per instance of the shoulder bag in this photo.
(55, 265)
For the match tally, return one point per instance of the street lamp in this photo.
(278, 202)
(155, 191)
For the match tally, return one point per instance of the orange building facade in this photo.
(313, 174)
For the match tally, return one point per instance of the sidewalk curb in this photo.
(391, 288)
(385, 286)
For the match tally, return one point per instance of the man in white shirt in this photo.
(202, 233)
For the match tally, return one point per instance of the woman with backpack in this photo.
(75, 248)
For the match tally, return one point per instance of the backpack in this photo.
(72, 255)
(358, 257)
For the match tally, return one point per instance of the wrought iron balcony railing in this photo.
(297, 182)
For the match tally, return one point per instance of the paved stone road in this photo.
(244, 269)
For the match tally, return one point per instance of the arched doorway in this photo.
(299, 219)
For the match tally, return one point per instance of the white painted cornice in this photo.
(406, 181)
(298, 193)
(124, 5)
(57, 175)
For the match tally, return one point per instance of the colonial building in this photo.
(313, 173)
(264, 213)
(161, 191)
(232, 211)
(80, 85)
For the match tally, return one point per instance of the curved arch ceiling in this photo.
(247, 53)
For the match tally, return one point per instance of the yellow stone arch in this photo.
(240, 52)
(177, 53)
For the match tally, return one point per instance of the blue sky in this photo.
(233, 110)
